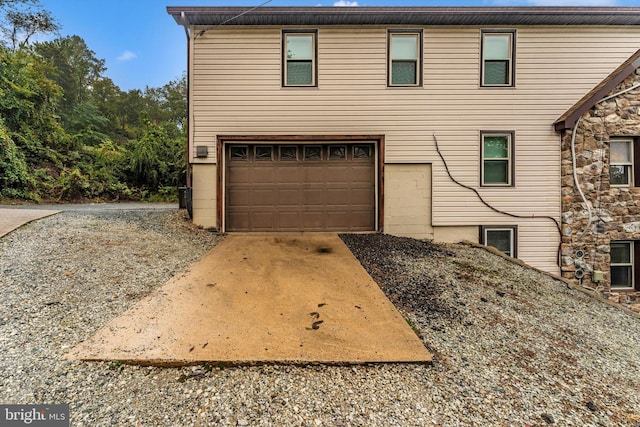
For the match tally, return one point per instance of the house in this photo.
(435, 123)
(601, 185)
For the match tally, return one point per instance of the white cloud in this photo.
(126, 56)
(346, 3)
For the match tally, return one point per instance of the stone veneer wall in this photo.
(616, 211)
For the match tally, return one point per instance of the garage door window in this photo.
(239, 153)
(288, 152)
(337, 152)
(313, 152)
(264, 152)
(361, 151)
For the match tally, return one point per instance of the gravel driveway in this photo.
(512, 347)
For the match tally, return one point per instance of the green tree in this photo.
(15, 180)
(75, 69)
(22, 19)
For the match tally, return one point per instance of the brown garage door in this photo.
(303, 187)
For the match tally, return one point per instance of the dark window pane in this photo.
(264, 153)
(496, 172)
(289, 152)
(621, 277)
(361, 152)
(619, 174)
(337, 152)
(404, 73)
(620, 253)
(313, 153)
(300, 73)
(500, 239)
(239, 153)
(496, 72)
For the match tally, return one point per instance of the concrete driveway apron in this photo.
(294, 298)
(10, 218)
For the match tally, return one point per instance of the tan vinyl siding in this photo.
(236, 74)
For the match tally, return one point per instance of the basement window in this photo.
(624, 264)
(503, 238)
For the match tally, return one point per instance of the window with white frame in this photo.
(299, 58)
(497, 159)
(503, 238)
(622, 257)
(498, 58)
(404, 58)
(621, 162)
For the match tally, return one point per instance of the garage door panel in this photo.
(313, 220)
(263, 174)
(240, 220)
(288, 197)
(283, 193)
(238, 175)
(288, 221)
(338, 196)
(362, 174)
(239, 197)
(262, 221)
(361, 196)
(312, 197)
(263, 197)
(338, 174)
(312, 173)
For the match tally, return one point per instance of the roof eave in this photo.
(211, 16)
(571, 116)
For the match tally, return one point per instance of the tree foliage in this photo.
(67, 132)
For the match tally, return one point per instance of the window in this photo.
(498, 58)
(313, 152)
(288, 152)
(263, 152)
(622, 257)
(497, 159)
(405, 53)
(502, 238)
(361, 151)
(299, 58)
(239, 152)
(337, 152)
(621, 170)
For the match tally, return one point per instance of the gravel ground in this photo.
(512, 347)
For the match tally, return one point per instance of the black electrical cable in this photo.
(484, 202)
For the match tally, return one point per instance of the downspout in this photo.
(185, 24)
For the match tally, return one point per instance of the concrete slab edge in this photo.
(164, 363)
(47, 214)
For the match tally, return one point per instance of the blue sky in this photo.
(143, 46)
